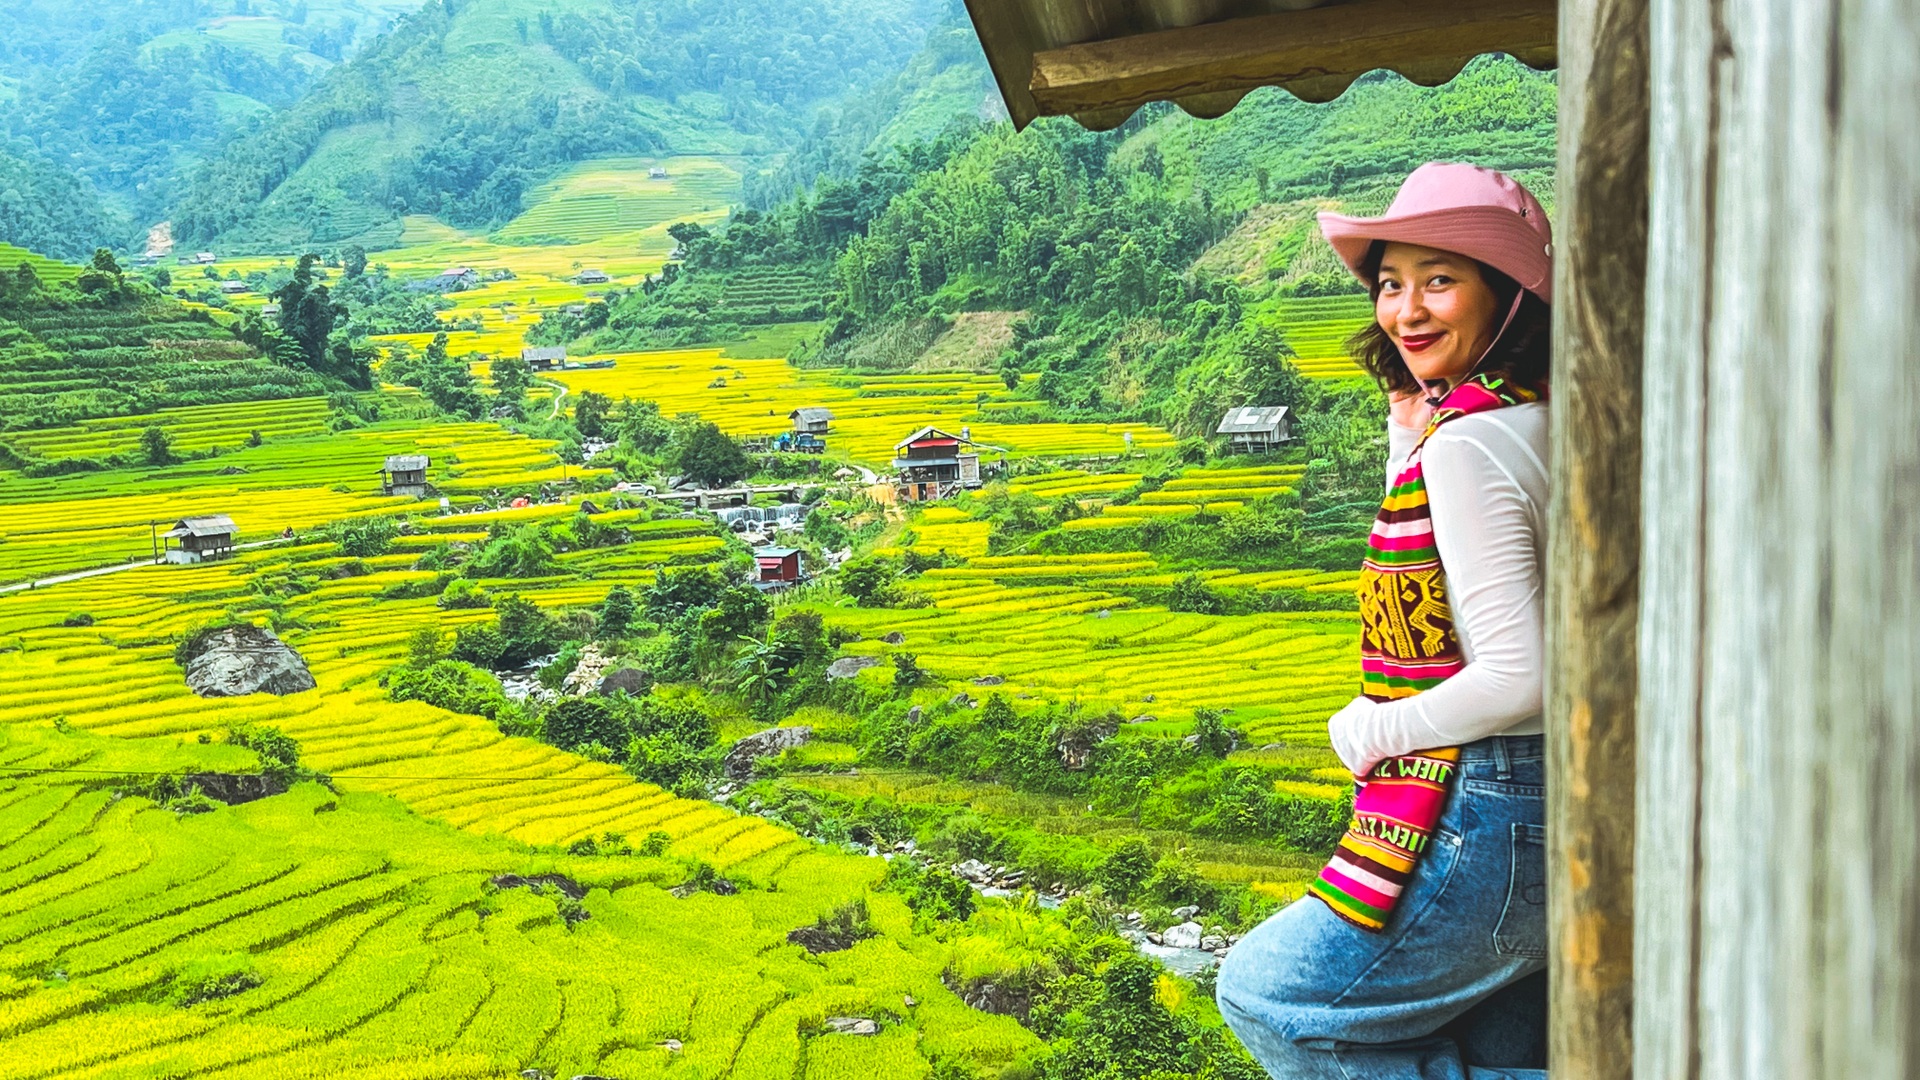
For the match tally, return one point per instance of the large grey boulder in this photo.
(769, 743)
(631, 681)
(1184, 936)
(848, 666)
(237, 660)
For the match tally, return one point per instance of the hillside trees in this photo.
(707, 456)
(596, 78)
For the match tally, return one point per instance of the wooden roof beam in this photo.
(1318, 47)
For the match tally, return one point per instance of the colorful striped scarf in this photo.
(1407, 645)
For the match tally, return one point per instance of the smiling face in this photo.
(1438, 310)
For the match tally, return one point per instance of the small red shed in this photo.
(776, 566)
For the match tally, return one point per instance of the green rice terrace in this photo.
(386, 702)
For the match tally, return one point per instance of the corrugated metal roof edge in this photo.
(1312, 91)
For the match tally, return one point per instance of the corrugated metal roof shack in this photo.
(1255, 429)
(208, 536)
(1734, 571)
(405, 474)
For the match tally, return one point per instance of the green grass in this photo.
(60, 364)
(611, 195)
(49, 270)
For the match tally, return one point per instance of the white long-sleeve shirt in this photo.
(1486, 478)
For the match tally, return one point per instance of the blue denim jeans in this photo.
(1450, 989)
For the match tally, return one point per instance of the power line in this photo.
(328, 775)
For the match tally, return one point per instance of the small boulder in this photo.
(914, 714)
(1185, 912)
(233, 661)
(988, 680)
(672, 1045)
(1213, 942)
(961, 700)
(587, 506)
(894, 638)
(1143, 718)
(852, 1025)
(769, 743)
(631, 681)
(848, 666)
(1184, 936)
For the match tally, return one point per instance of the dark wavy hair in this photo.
(1524, 353)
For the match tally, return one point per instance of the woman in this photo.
(1416, 953)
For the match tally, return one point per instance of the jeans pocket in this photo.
(1522, 930)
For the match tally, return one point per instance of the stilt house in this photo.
(1733, 570)
(405, 474)
(199, 539)
(932, 466)
(544, 357)
(811, 420)
(1256, 429)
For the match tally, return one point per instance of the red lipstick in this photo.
(1419, 342)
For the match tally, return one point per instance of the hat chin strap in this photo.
(1438, 389)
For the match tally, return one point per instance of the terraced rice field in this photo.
(871, 412)
(616, 195)
(1215, 490)
(92, 519)
(1282, 674)
(317, 934)
(1318, 328)
(195, 427)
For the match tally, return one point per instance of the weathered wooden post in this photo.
(1593, 589)
(1777, 921)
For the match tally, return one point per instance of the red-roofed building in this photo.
(777, 567)
(932, 466)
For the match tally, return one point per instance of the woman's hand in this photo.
(1349, 742)
(1409, 409)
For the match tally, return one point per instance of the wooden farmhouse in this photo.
(658, 172)
(592, 277)
(544, 357)
(205, 258)
(811, 421)
(234, 287)
(1733, 569)
(405, 474)
(1255, 429)
(200, 539)
(931, 465)
(777, 567)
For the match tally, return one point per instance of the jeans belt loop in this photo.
(1502, 759)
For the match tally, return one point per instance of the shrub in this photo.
(1191, 593)
(1126, 868)
(868, 581)
(363, 538)
(279, 753)
(78, 618)
(575, 722)
(479, 645)
(451, 685)
(524, 552)
(461, 593)
(616, 612)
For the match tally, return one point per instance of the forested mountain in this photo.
(46, 208)
(130, 93)
(1143, 272)
(467, 103)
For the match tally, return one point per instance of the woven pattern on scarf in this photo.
(1407, 645)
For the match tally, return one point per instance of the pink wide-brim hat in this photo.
(1480, 213)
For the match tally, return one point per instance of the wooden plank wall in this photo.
(1593, 593)
(1777, 922)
